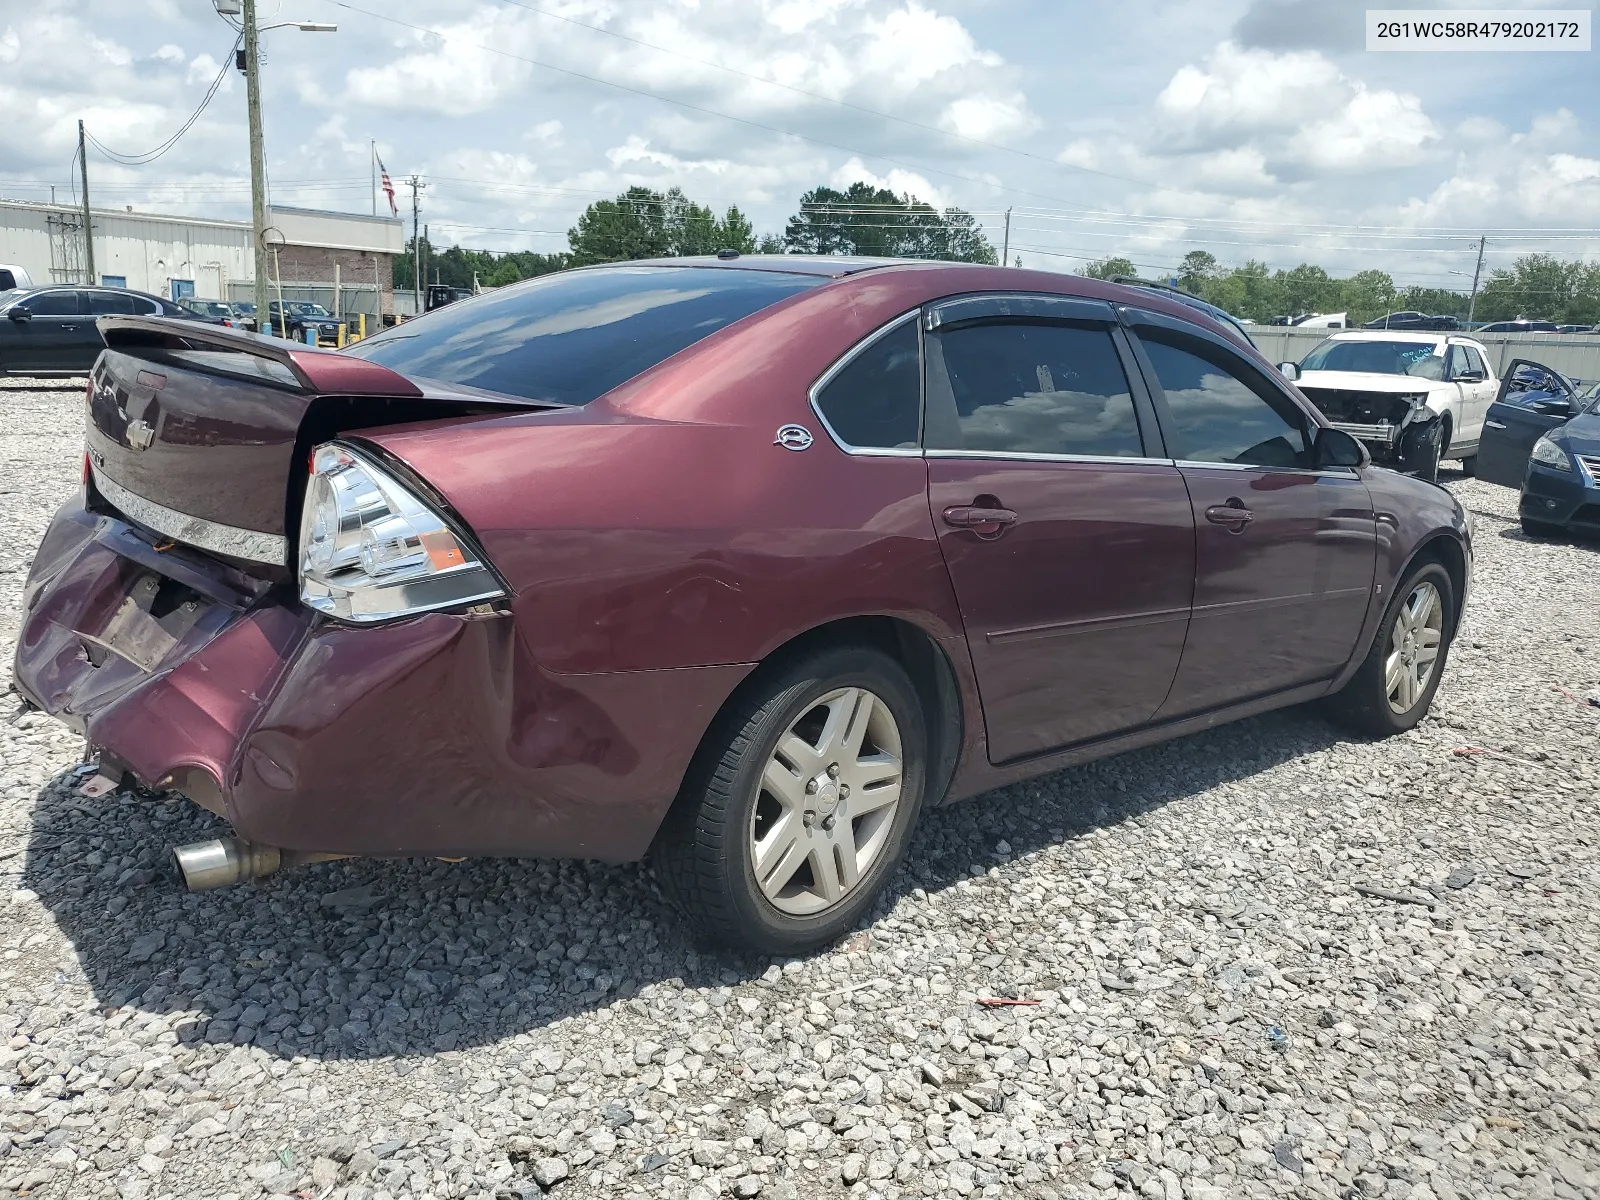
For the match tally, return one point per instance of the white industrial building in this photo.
(342, 260)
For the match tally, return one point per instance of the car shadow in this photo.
(374, 958)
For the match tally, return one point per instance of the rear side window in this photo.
(569, 337)
(875, 400)
(110, 302)
(1475, 361)
(1218, 417)
(1036, 388)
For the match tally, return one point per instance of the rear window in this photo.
(567, 338)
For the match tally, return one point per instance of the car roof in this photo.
(828, 265)
(1398, 335)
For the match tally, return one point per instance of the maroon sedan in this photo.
(739, 564)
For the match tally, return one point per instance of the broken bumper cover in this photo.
(437, 735)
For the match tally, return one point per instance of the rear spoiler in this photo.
(323, 372)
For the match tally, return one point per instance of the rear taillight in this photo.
(371, 550)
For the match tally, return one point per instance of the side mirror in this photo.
(19, 314)
(1336, 448)
(1555, 406)
(1469, 377)
(1289, 370)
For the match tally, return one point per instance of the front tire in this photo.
(1420, 450)
(799, 805)
(1395, 684)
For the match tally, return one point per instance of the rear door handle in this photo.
(1233, 514)
(985, 522)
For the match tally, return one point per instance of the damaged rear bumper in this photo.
(437, 735)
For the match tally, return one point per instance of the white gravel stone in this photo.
(1220, 1012)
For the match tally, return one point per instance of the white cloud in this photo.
(169, 53)
(989, 118)
(1294, 107)
(203, 69)
(900, 182)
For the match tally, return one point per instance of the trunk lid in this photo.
(201, 433)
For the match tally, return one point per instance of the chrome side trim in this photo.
(1026, 456)
(272, 548)
(1323, 473)
(844, 360)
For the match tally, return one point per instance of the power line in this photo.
(149, 156)
(699, 108)
(799, 91)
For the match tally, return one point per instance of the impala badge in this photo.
(793, 437)
(140, 435)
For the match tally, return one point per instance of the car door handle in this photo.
(986, 522)
(1495, 424)
(1232, 514)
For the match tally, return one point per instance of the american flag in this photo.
(388, 187)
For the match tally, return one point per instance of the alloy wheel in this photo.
(827, 802)
(1414, 647)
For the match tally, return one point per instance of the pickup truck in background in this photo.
(1412, 398)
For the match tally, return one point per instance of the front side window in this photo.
(572, 336)
(1219, 418)
(53, 304)
(875, 400)
(1036, 388)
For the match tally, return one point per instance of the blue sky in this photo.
(1254, 129)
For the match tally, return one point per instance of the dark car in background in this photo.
(1415, 321)
(214, 312)
(1542, 436)
(1520, 326)
(739, 564)
(293, 318)
(51, 330)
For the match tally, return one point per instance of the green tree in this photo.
(1542, 287)
(864, 220)
(1199, 266)
(1305, 289)
(1109, 268)
(641, 223)
(771, 243)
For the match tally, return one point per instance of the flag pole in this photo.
(372, 169)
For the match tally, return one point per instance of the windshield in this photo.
(245, 309)
(302, 309)
(1423, 360)
(569, 337)
(10, 295)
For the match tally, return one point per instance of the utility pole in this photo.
(1472, 304)
(1005, 245)
(416, 251)
(88, 227)
(258, 165)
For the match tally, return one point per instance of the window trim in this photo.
(78, 294)
(848, 357)
(1310, 422)
(1075, 314)
(1021, 306)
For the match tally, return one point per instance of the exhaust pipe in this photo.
(202, 866)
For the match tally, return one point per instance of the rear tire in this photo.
(1540, 529)
(785, 829)
(1386, 695)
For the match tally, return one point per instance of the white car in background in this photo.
(1412, 398)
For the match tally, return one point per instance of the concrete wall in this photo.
(1573, 354)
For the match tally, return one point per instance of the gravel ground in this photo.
(1213, 1007)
